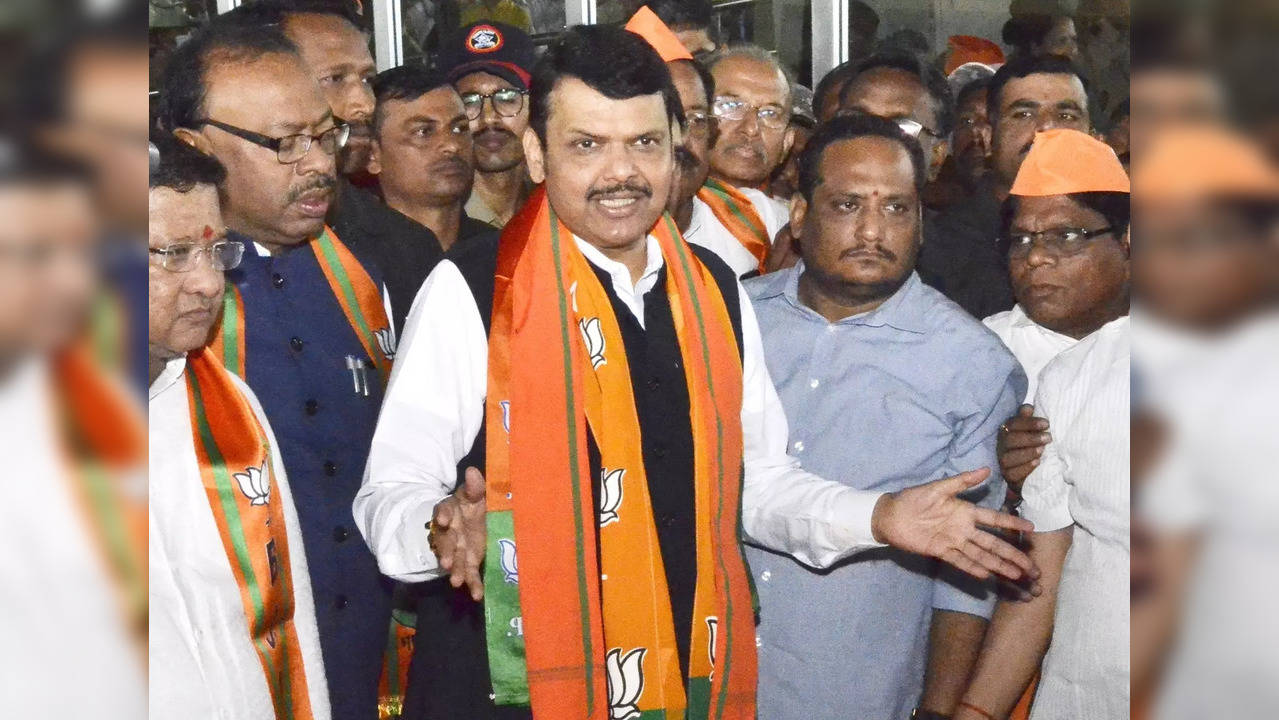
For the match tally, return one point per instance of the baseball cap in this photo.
(492, 47)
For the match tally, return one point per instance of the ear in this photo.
(1125, 242)
(534, 154)
(195, 139)
(788, 141)
(986, 137)
(374, 166)
(798, 212)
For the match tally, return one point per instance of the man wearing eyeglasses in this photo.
(207, 430)
(489, 63)
(303, 317)
(752, 107)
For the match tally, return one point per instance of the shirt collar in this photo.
(903, 310)
(619, 273)
(171, 373)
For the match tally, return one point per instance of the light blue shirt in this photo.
(910, 392)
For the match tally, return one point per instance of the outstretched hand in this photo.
(458, 534)
(930, 520)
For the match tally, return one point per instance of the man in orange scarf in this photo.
(233, 626)
(609, 379)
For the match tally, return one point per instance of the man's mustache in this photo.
(494, 131)
(754, 149)
(323, 182)
(876, 249)
(631, 188)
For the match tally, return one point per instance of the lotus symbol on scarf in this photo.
(593, 334)
(385, 342)
(625, 682)
(509, 568)
(610, 495)
(712, 624)
(255, 484)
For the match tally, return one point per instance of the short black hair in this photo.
(179, 166)
(182, 89)
(838, 77)
(930, 77)
(614, 62)
(967, 92)
(405, 83)
(275, 12)
(1024, 31)
(1025, 67)
(852, 127)
(683, 14)
(708, 80)
(1116, 207)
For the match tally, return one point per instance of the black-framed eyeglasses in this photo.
(914, 128)
(290, 148)
(1059, 241)
(184, 257)
(507, 102)
(770, 116)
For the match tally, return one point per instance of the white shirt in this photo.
(1217, 476)
(1031, 343)
(203, 663)
(1084, 481)
(705, 230)
(434, 407)
(65, 649)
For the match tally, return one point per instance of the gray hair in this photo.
(758, 54)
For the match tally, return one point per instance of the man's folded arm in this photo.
(431, 414)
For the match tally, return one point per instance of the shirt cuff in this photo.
(850, 528)
(415, 561)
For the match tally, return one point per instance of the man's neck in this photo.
(1083, 330)
(739, 183)
(634, 256)
(835, 303)
(155, 365)
(502, 191)
(443, 219)
(273, 243)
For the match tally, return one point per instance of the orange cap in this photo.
(1062, 162)
(1204, 161)
(647, 25)
(969, 48)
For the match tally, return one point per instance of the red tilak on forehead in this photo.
(208, 233)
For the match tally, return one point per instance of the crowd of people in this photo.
(628, 378)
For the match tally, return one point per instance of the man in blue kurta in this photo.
(886, 383)
(303, 322)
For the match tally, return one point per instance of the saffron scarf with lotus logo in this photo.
(574, 637)
(736, 212)
(355, 291)
(234, 455)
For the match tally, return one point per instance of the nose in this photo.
(204, 280)
(317, 161)
(749, 125)
(620, 165)
(1038, 256)
(359, 102)
(869, 226)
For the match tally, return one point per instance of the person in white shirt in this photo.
(603, 148)
(1060, 299)
(207, 658)
(1069, 208)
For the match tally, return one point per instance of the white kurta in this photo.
(1217, 478)
(65, 650)
(203, 664)
(1084, 481)
(705, 230)
(1031, 343)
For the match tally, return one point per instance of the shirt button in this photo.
(814, 383)
(830, 329)
(799, 446)
(659, 451)
(654, 384)
(765, 576)
(340, 602)
(330, 469)
(340, 534)
(296, 344)
(311, 406)
(277, 280)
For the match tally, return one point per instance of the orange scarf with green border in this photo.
(736, 212)
(580, 639)
(235, 462)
